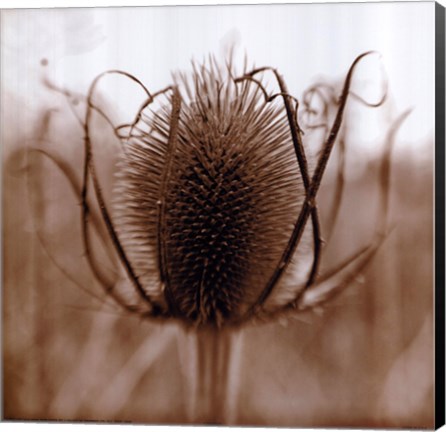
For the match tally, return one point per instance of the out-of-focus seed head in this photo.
(231, 200)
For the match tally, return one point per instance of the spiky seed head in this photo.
(231, 200)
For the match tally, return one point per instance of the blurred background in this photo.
(365, 360)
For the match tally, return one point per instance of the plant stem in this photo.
(211, 365)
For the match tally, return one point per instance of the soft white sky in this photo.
(302, 41)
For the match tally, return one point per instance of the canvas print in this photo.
(219, 215)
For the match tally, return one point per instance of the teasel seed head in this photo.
(231, 200)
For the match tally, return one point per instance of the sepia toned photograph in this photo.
(220, 215)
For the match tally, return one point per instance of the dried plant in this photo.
(214, 212)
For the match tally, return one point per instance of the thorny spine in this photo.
(162, 250)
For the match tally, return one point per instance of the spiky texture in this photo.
(231, 200)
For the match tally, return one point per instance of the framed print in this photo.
(224, 215)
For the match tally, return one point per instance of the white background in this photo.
(302, 41)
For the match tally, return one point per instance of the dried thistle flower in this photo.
(215, 212)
